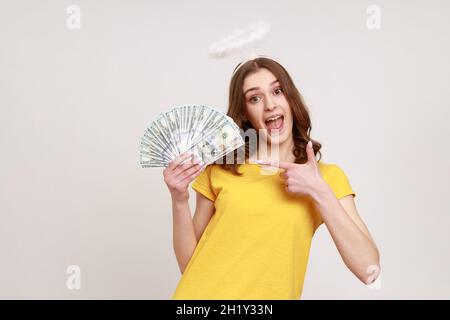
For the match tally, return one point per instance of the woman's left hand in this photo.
(300, 179)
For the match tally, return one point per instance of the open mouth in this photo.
(275, 124)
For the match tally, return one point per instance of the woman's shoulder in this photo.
(329, 170)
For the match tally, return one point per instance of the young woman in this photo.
(251, 232)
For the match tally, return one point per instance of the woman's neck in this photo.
(283, 153)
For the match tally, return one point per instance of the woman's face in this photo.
(266, 106)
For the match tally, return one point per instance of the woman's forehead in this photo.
(261, 78)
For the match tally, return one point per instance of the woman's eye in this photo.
(252, 99)
(278, 90)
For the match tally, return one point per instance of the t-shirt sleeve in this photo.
(340, 184)
(202, 184)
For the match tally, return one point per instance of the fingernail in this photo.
(259, 161)
(310, 144)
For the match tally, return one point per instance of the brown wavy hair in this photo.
(301, 121)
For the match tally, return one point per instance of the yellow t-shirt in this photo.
(256, 245)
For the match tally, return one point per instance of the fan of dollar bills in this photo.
(206, 132)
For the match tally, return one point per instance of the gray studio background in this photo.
(74, 103)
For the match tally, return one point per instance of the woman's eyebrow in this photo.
(256, 88)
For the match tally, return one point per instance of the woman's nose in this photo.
(270, 106)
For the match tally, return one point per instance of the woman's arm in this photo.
(184, 239)
(178, 175)
(187, 230)
(352, 238)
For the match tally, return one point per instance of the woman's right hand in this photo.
(178, 175)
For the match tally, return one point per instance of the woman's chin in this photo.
(275, 136)
(276, 139)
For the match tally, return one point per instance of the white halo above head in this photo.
(241, 40)
(250, 57)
